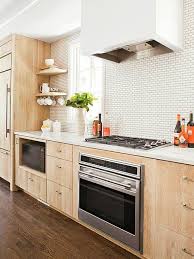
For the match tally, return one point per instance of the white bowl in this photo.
(49, 62)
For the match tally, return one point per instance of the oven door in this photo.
(111, 208)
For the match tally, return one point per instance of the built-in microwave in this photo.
(33, 155)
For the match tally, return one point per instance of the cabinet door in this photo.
(37, 186)
(21, 178)
(5, 79)
(5, 165)
(187, 215)
(59, 197)
(59, 171)
(168, 195)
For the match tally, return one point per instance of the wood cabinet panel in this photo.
(5, 63)
(168, 195)
(174, 202)
(21, 178)
(5, 165)
(37, 186)
(59, 197)
(170, 245)
(5, 80)
(167, 245)
(187, 216)
(59, 171)
(60, 150)
(6, 48)
(188, 181)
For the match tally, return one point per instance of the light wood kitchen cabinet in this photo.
(188, 181)
(60, 150)
(21, 178)
(59, 171)
(170, 245)
(187, 216)
(37, 186)
(174, 199)
(4, 165)
(59, 197)
(20, 60)
(5, 81)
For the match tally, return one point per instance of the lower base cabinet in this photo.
(21, 178)
(170, 245)
(33, 184)
(37, 186)
(59, 197)
(5, 165)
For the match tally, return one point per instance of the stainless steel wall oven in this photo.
(111, 198)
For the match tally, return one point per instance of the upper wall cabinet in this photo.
(115, 28)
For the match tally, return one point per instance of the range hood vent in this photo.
(135, 29)
(138, 51)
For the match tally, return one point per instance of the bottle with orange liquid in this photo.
(190, 130)
(183, 136)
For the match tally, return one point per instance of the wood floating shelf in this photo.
(51, 94)
(52, 71)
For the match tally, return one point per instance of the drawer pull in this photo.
(60, 193)
(187, 252)
(186, 206)
(58, 166)
(56, 191)
(59, 150)
(188, 179)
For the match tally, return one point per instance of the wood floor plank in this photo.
(31, 230)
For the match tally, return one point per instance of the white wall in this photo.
(143, 96)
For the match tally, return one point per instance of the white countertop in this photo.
(169, 153)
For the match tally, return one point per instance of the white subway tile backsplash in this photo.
(142, 97)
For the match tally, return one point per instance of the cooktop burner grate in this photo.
(138, 143)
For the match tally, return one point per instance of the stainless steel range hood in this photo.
(141, 50)
(118, 30)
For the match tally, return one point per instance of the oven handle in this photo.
(107, 184)
(102, 178)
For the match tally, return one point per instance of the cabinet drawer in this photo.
(59, 150)
(188, 182)
(21, 178)
(6, 48)
(59, 171)
(59, 197)
(37, 186)
(170, 245)
(175, 187)
(187, 216)
(5, 63)
(5, 165)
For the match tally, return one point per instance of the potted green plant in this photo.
(82, 103)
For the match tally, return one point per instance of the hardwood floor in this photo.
(29, 229)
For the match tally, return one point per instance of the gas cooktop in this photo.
(136, 143)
